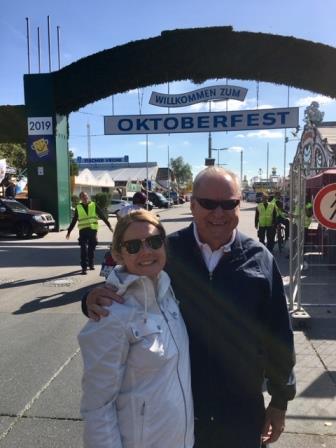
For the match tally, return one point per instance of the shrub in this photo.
(102, 200)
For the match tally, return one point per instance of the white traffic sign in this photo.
(325, 206)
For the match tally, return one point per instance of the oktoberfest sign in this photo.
(250, 120)
(213, 93)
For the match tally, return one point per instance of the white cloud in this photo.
(232, 105)
(307, 100)
(266, 106)
(264, 133)
(235, 149)
(143, 143)
(200, 107)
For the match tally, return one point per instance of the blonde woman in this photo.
(136, 381)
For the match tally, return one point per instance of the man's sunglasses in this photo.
(210, 204)
(134, 246)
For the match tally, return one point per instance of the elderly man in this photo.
(233, 303)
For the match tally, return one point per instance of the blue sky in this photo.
(88, 27)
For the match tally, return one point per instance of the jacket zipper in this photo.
(142, 413)
(178, 372)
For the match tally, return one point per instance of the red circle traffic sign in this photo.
(325, 206)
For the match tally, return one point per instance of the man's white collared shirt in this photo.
(211, 258)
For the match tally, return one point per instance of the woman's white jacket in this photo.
(136, 381)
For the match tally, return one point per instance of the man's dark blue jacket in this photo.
(238, 326)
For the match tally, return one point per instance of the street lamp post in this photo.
(241, 166)
(219, 149)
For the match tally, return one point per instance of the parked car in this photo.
(18, 219)
(158, 199)
(259, 197)
(250, 196)
(116, 205)
(176, 198)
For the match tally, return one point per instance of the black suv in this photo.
(17, 218)
(158, 199)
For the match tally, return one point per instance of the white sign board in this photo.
(40, 126)
(250, 120)
(211, 93)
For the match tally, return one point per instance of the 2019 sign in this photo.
(40, 126)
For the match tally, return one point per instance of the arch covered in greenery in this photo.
(196, 54)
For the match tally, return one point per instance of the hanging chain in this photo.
(140, 99)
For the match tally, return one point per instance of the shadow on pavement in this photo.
(247, 209)
(31, 254)
(16, 283)
(322, 387)
(54, 300)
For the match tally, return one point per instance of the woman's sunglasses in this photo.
(133, 246)
(210, 204)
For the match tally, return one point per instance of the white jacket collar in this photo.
(146, 290)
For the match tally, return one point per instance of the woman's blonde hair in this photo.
(127, 220)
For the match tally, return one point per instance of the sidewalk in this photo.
(311, 416)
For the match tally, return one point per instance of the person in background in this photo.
(233, 303)
(282, 217)
(87, 213)
(139, 202)
(265, 222)
(136, 382)
(10, 190)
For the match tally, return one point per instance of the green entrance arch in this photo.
(196, 54)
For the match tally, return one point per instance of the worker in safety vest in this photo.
(307, 214)
(265, 221)
(87, 214)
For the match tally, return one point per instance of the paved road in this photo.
(40, 290)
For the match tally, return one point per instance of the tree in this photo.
(15, 155)
(182, 171)
(73, 164)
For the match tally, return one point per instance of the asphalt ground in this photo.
(40, 317)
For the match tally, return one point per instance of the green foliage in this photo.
(182, 171)
(197, 54)
(73, 165)
(102, 200)
(13, 124)
(74, 200)
(15, 155)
